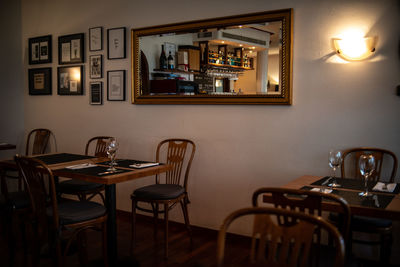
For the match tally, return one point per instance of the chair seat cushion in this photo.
(363, 223)
(74, 186)
(77, 211)
(159, 191)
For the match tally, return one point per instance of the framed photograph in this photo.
(96, 39)
(116, 85)
(96, 66)
(70, 80)
(40, 81)
(116, 43)
(40, 50)
(96, 93)
(71, 49)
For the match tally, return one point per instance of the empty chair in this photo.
(14, 205)
(179, 154)
(273, 244)
(52, 219)
(386, 167)
(305, 201)
(87, 190)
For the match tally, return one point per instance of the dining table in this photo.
(383, 204)
(95, 169)
(7, 146)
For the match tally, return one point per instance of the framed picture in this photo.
(40, 81)
(96, 39)
(40, 50)
(116, 85)
(96, 66)
(70, 80)
(71, 49)
(96, 93)
(170, 47)
(116, 43)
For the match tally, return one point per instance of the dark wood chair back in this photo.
(281, 245)
(383, 157)
(100, 149)
(40, 141)
(305, 201)
(39, 181)
(175, 155)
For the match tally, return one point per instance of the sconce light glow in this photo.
(76, 75)
(354, 47)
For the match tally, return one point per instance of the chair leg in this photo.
(155, 212)
(133, 225)
(186, 217)
(385, 248)
(166, 229)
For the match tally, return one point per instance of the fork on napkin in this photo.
(384, 187)
(81, 166)
(144, 165)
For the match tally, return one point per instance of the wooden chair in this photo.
(173, 191)
(50, 218)
(386, 167)
(15, 205)
(40, 141)
(281, 245)
(83, 189)
(305, 201)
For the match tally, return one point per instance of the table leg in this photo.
(111, 224)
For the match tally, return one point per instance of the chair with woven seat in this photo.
(179, 154)
(50, 218)
(82, 189)
(386, 167)
(274, 244)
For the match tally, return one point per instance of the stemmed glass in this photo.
(335, 159)
(367, 167)
(112, 147)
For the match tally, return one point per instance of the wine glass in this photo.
(335, 159)
(112, 147)
(367, 167)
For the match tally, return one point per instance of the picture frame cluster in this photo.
(71, 59)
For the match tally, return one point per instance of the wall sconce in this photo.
(354, 48)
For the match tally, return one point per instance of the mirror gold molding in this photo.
(282, 96)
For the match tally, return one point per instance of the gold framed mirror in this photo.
(244, 59)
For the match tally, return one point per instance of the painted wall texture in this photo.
(240, 148)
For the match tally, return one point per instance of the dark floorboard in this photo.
(149, 252)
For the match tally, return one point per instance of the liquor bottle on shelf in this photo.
(163, 58)
(170, 61)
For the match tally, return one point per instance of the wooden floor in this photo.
(149, 252)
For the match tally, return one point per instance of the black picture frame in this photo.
(40, 49)
(96, 93)
(96, 66)
(116, 40)
(70, 80)
(96, 39)
(116, 85)
(40, 81)
(71, 49)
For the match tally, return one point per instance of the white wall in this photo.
(11, 67)
(240, 148)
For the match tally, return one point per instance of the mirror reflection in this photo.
(239, 59)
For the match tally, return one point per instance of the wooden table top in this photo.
(392, 211)
(58, 169)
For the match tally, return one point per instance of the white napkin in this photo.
(81, 166)
(379, 187)
(144, 165)
(322, 190)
